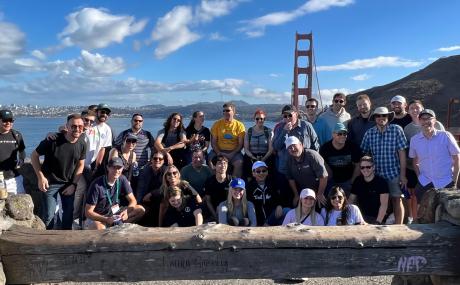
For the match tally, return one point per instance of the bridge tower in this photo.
(302, 88)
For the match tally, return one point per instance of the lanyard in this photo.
(107, 188)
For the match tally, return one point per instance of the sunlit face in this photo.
(367, 168)
(113, 172)
(157, 160)
(311, 107)
(175, 201)
(414, 110)
(340, 137)
(228, 113)
(337, 200)
(237, 193)
(260, 173)
(290, 117)
(137, 122)
(339, 102)
(221, 166)
(427, 122)
(199, 118)
(295, 150)
(7, 125)
(102, 115)
(175, 121)
(75, 127)
(259, 119)
(130, 143)
(172, 176)
(398, 107)
(308, 202)
(88, 121)
(364, 106)
(197, 159)
(381, 120)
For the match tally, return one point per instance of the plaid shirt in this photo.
(384, 147)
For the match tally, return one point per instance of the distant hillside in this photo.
(434, 85)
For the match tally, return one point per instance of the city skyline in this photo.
(184, 52)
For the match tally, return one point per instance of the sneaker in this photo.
(410, 220)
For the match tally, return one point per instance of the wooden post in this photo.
(132, 253)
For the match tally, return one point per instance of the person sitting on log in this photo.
(183, 210)
(216, 187)
(338, 212)
(110, 199)
(172, 177)
(305, 213)
(237, 210)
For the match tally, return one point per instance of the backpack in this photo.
(266, 132)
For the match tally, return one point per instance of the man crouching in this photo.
(110, 199)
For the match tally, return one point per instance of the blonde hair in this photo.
(244, 202)
(164, 188)
(298, 213)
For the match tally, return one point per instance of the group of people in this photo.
(324, 169)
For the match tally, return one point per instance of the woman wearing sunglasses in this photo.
(127, 155)
(171, 178)
(182, 211)
(237, 210)
(257, 144)
(305, 213)
(198, 136)
(171, 139)
(338, 212)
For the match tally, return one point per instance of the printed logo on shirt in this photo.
(228, 136)
(187, 209)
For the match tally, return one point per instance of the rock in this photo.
(2, 206)
(453, 207)
(5, 224)
(426, 213)
(20, 207)
(38, 224)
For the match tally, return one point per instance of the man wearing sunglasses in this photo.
(336, 113)
(387, 144)
(12, 153)
(61, 170)
(105, 137)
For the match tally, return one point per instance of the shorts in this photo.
(412, 179)
(237, 157)
(394, 188)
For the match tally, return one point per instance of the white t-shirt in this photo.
(354, 217)
(98, 137)
(290, 218)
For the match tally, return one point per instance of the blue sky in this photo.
(182, 52)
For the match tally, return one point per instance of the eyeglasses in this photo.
(366, 167)
(76, 127)
(337, 197)
(104, 112)
(157, 158)
(381, 116)
(176, 119)
(340, 134)
(288, 115)
(310, 106)
(131, 141)
(88, 121)
(261, 171)
(339, 101)
(173, 173)
(260, 119)
(226, 110)
(138, 121)
(7, 121)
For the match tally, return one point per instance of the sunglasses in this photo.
(289, 115)
(76, 127)
(339, 101)
(131, 141)
(310, 106)
(226, 110)
(88, 121)
(381, 116)
(337, 197)
(366, 167)
(138, 121)
(158, 158)
(176, 119)
(172, 173)
(104, 112)
(342, 134)
(261, 171)
(260, 119)
(7, 120)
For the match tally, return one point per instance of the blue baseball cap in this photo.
(340, 127)
(238, 183)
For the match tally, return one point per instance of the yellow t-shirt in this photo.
(227, 133)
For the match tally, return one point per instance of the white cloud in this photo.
(12, 40)
(328, 94)
(447, 49)
(275, 75)
(361, 77)
(267, 95)
(137, 45)
(217, 37)
(256, 27)
(174, 30)
(38, 54)
(376, 62)
(92, 28)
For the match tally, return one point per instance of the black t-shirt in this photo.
(184, 216)
(265, 199)
(204, 133)
(404, 121)
(368, 194)
(217, 191)
(100, 191)
(9, 149)
(340, 160)
(61, 158)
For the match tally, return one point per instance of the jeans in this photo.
(49, 207)
(273, 221)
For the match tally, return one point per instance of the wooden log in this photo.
(132, 253)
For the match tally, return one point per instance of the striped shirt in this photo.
(384, 147)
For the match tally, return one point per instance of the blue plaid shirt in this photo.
(384, 147)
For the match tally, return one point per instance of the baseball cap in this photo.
(398, 98)
(288, 109)
(339, 127)
(238, 183)
(258, 164)
(116, 161)
(291, 140)
(6, 115)
(307, 192)
(427, 112)
(131, 137)
(103, 106)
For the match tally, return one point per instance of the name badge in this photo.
(115, 209)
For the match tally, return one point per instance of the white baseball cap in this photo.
(307, 192)
(398, 98)
(291, 140)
